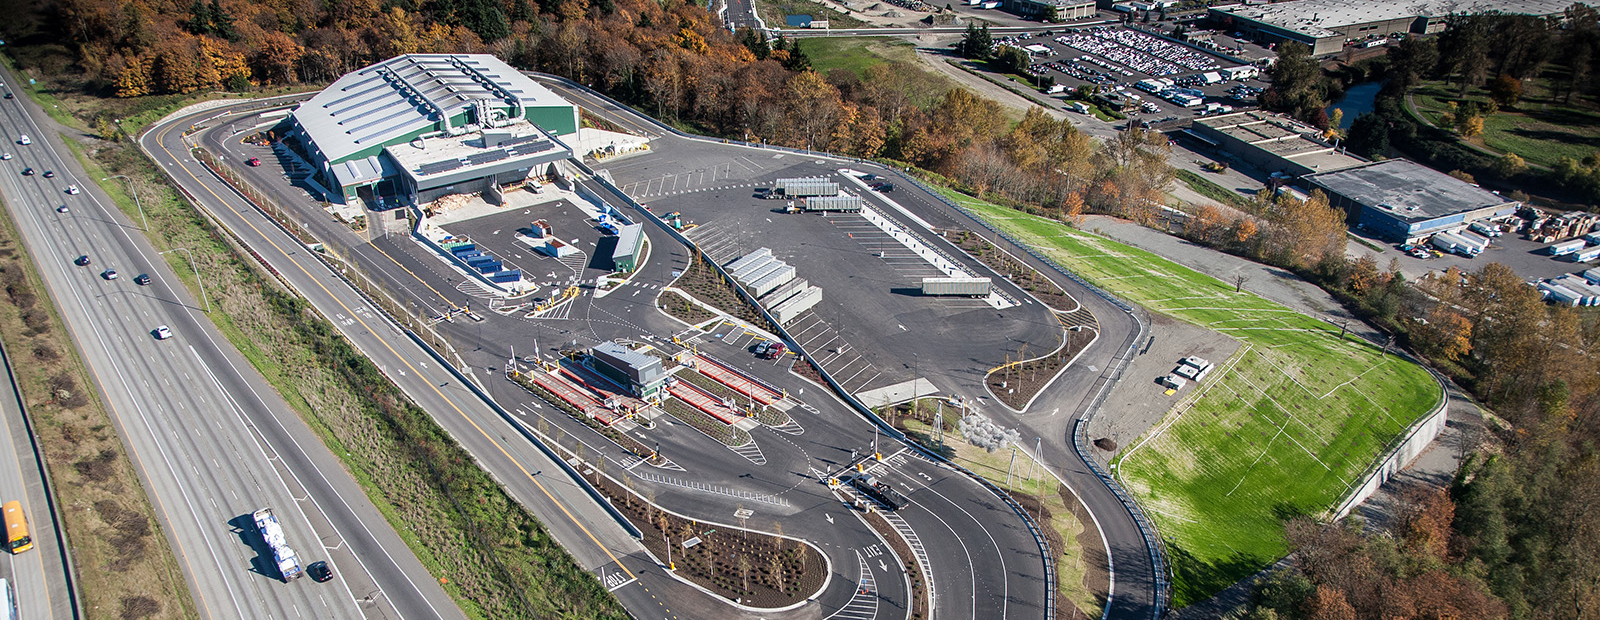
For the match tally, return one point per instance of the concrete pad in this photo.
(897, 393)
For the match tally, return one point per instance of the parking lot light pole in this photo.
(143, 224)
(197, 279)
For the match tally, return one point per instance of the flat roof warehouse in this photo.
(1327, 24)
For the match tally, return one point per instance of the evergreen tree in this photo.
(756, 42)
(222, 23)
(976, 43)
(521, 11)
(485, 18)
(798, 61)
(199, 18)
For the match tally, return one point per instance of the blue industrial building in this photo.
(1403, 201)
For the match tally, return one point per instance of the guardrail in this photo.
(1147, 528)
(1033, 528)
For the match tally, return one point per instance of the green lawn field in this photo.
(1541, 132)
(1283, 428)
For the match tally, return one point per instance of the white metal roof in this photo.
(388, 100)
(1318, 18)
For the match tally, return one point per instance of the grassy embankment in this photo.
(490, 554)
(1284, 428)
(122, 564)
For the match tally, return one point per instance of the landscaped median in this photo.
(1286, 427)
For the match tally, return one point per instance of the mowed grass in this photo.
(854, 53)
(1283, 428)
(1540, 131)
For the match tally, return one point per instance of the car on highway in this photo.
(82, 261)
(5, 156)
(61, 209)
(49, 174)
(109, 274)
(253, 161)
(73, 190)
(162, 332)
(142, 279)
(9, 95)
(882, 187)
(24, 140)
(27, 172)
(320, 571)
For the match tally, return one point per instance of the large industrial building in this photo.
(1272, 142)
(420, 126)
(1403, 201)
(1325, 25)
(1066, 10)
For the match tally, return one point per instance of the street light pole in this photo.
(197, 279)
(143, 224)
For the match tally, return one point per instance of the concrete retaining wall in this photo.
(1417, 439)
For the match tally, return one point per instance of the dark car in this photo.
(82, 260)
(882, 187)
(320, 571)
(49, 174)
(8, 95)
(27, 171)
(142, 279)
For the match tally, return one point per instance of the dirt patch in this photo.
(705, 284)
(754, 569)
(1015, 384)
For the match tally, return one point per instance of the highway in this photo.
(208, 436)
(39, 578)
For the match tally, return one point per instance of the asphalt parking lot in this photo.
(503, 234)
(1530, 260)
(871, 284)
(1115, 58)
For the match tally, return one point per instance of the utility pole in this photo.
(197, 279)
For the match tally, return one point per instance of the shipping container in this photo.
(971, 287)
(489, 267)
(504, 277)
(463, 248)
(794, 306)
(1592, 275)
(772, 281)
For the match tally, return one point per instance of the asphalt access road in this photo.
(1053, 413)
(211, 440)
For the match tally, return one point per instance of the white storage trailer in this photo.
(971, 287)
(842, 203)
(792, 307)
(783, 293)
(772, 281)
(803, 187)
(272, 533)
(1567, 247)
(755, 266)
(747, 259)
(1451, 242)
(756, 275)
(1586, 255)
(1560, 294)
